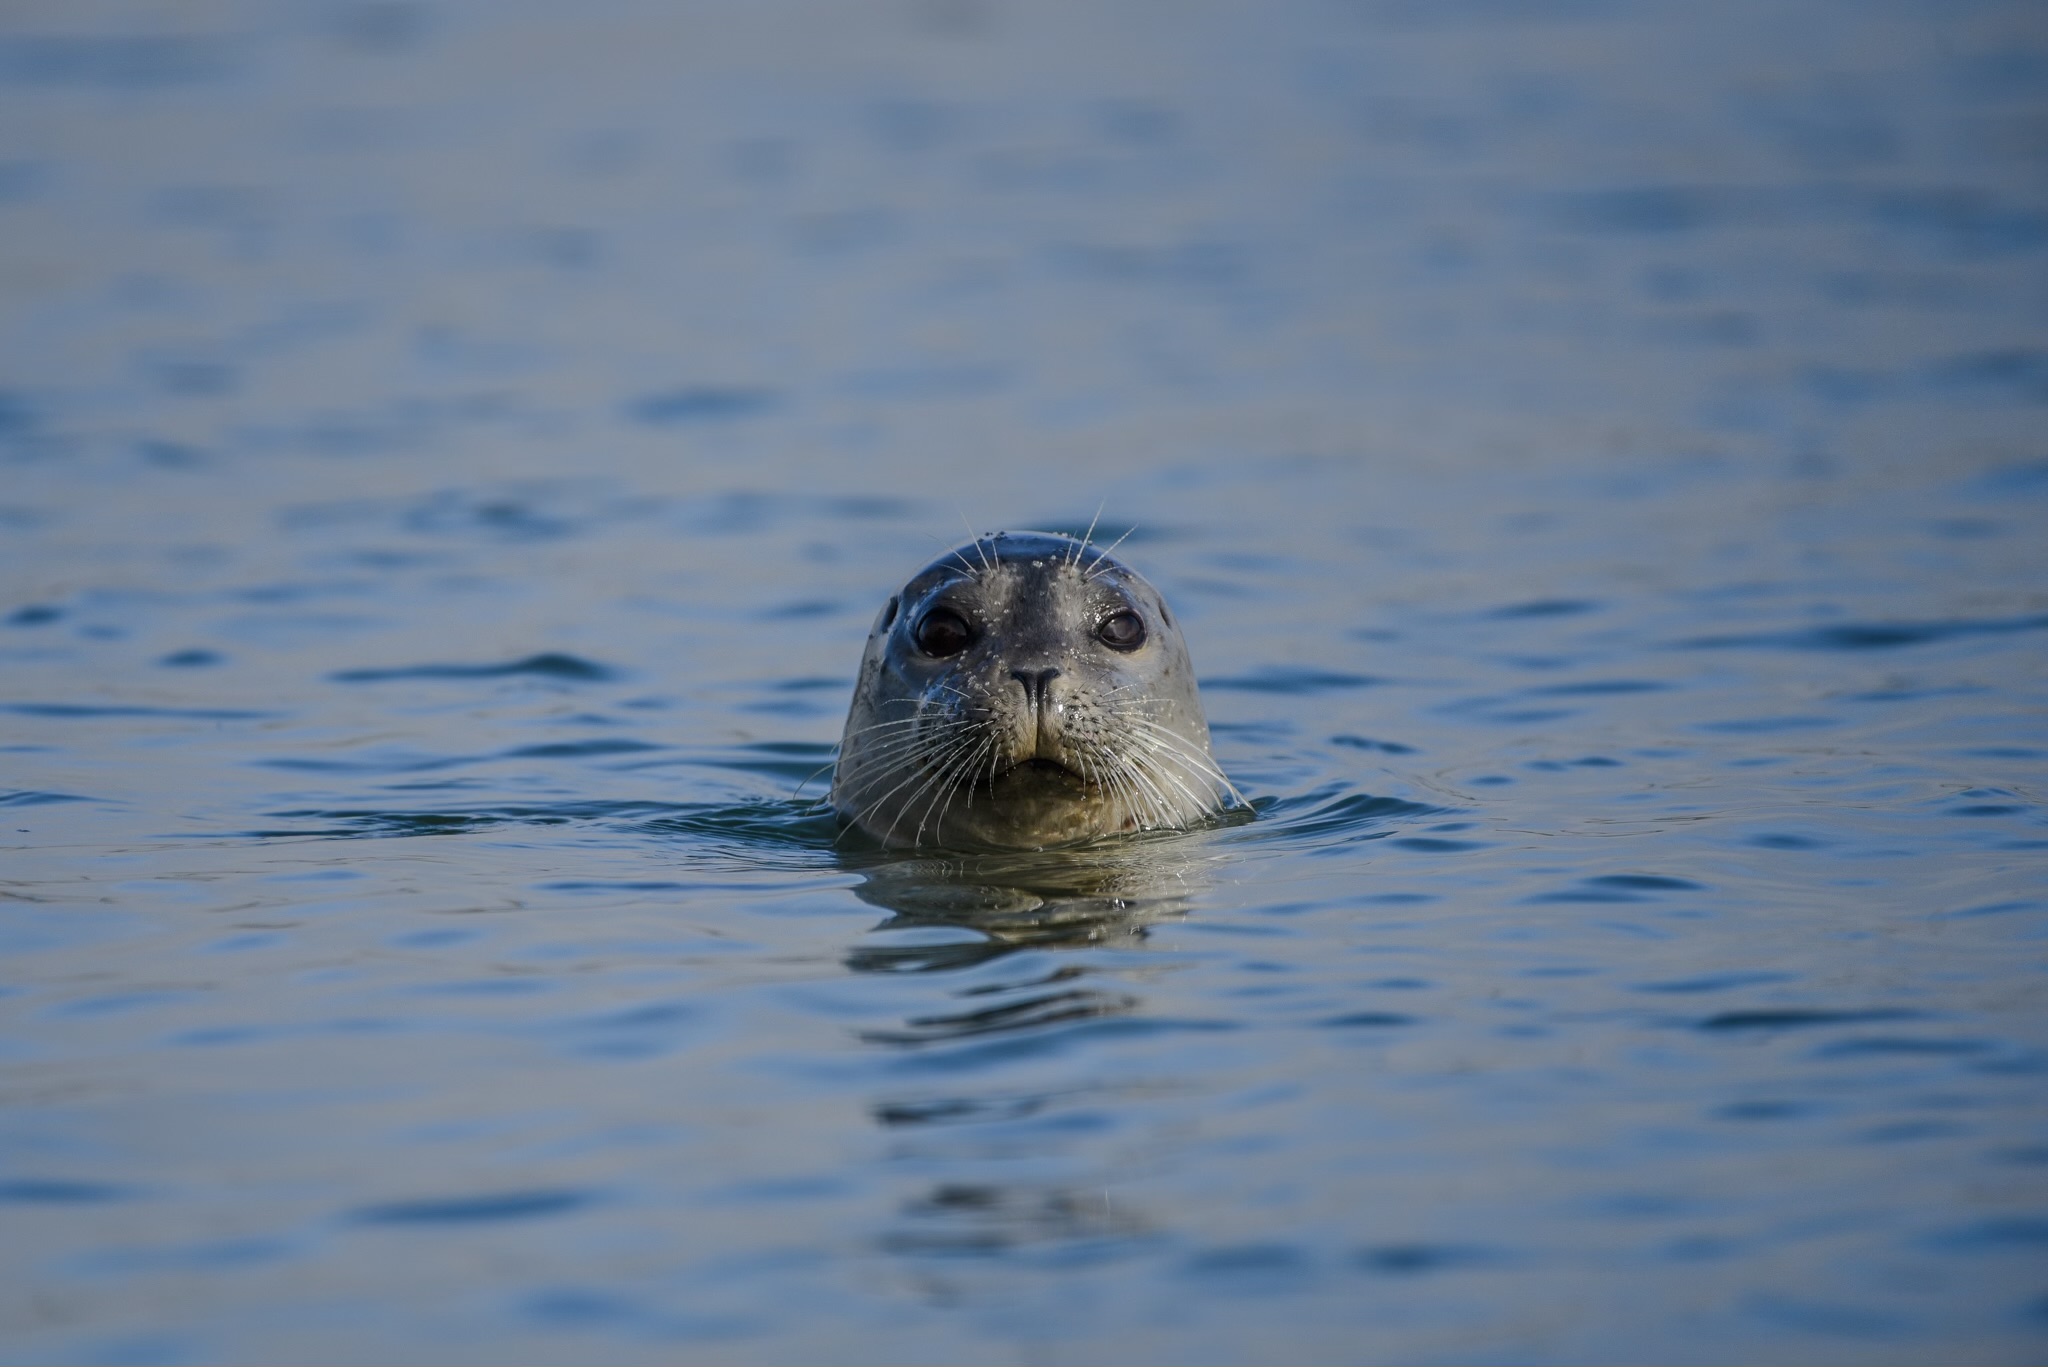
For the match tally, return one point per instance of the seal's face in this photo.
(1023, 691)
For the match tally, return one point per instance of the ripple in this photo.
(489, 1208)
(1254, 1261)
(701, 404)
(206, 1256)
(2025, 479)
(1994, 909)
(1574, 895)
(1594, 688)
(1296, 680)
(1052, 1008)
(548, 665)
(1329, 811)
(1964, 223)
(1865, 635)
(1903, 1046)
(1646, 882)
(984, 1219)
(1830, 1319)
(1765, 1109)
(986, 1053)
(792, 760)
(1796, 1018)
(27, 798)
(90, 710)
(577, 1307)
(1785, 840)
(1366, 743)
(581, 749)
(955, 1110)
(1761, 726)
(1715, 982)
(1503, 710)
(397, 761)
(218, 1036)
(1617, 887)
(647, 1030)
(1410, 1260)
(52, 1191)
(1544, 607)
(760, 826)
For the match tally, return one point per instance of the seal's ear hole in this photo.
(888, 616)
(1165, 615)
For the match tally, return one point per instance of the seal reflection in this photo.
(1104, 897)
(1091, 896)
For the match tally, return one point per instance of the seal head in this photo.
(1023, 691)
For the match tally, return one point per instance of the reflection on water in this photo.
(974, 909)
(952, 1221)
(971, 910)
(1092, 894)
(450, 457)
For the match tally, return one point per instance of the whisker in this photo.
(1149, 781)
(894, 724)
(883, 763)
(1095, 565)
(922, 779)
(953, 789)
(1087, 536)
(828, 764)
(1162, 774)
(1187, 750)
(947, 789)
(974, 539)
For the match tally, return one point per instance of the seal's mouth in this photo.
(1041, 769)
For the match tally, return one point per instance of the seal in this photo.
(1023, 691)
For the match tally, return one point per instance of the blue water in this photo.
(450, 455)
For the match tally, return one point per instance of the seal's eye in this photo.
(1124, 631)
(943, 632)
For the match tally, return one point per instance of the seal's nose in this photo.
(1037, 683)
(1038, 696)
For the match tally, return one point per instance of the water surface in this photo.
(450, 456)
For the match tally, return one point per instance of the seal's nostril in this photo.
(1036, 682)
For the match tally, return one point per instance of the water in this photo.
(450, 456)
